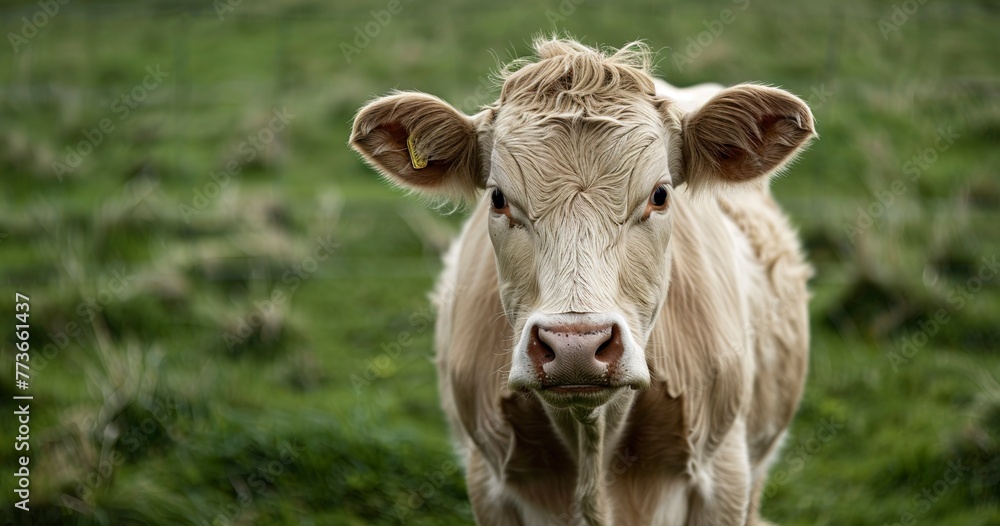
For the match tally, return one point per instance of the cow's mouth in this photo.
(579, 395)
(577, 389)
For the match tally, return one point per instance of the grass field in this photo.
(228, 313)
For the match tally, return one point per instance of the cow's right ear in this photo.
(744, 133)
(421, 143)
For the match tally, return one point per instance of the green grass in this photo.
(151, 407)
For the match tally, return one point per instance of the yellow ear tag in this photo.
(417, 161)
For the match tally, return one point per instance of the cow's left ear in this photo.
(744, 133)
(422, 143)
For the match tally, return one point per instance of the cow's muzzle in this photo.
(577, 354)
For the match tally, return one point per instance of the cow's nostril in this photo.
(538, 350)
(612, 348)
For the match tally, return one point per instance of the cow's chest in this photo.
(651, 454)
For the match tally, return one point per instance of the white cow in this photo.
(622, 334)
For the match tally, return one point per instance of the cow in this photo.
(622, 331)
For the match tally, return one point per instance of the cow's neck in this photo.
(592, 435)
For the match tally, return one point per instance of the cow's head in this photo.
(578, 161)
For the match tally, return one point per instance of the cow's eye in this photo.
(658, 201)
(659, 197)
(498, 200)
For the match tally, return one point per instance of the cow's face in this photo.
(580, 221)
(578, 162)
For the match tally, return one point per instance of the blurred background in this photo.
(228, 311)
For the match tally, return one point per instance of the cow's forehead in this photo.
(579, 128)
(545, 162)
